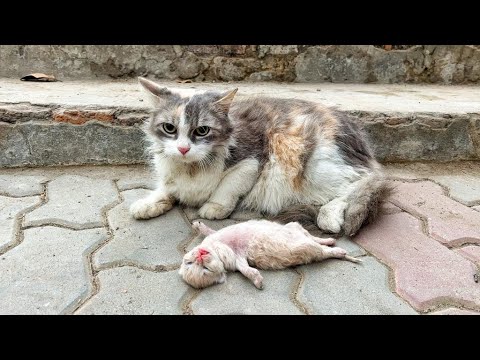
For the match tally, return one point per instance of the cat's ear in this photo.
(224, 103)
(158, 94)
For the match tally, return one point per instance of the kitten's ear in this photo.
(158, 94)
(224, 103)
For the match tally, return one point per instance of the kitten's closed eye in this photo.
(206, 268)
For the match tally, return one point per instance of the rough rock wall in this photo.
(452, 64)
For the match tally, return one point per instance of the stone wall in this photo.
(453, 64)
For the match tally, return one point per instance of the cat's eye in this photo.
(207, 269)
(188, 262)
(169, 128)
(202, 131)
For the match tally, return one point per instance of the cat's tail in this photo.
(364, 201)
(363, 206)
(306, 215)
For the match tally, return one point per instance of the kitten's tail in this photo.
(364, 202)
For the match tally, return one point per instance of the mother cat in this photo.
(285, 158)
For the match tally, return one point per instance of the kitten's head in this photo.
(189, 128)
(202, 267)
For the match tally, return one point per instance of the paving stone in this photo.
(46, 273)
(455, 311)
(140, 180)
(388, 208)
(190, 212)
(131, 291)
(154, 243)
(426, 273)
(448, 221)
(464, 188)
(74, 201)
(21, 185)
(239, 296)
(470, 252)
(243, 215)
(10, 209)
(342, 287)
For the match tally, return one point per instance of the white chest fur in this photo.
(191, 188)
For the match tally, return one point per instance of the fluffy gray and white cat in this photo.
(287, 159)
(261, 243)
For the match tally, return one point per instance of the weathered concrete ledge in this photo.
(98, 122)
(440, 64)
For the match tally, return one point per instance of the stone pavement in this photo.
(69, 246)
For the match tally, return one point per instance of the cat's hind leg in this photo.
(331, 216)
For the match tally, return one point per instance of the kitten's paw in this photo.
(325, 241)
(197, 225)
(212, 211)
(146, 209)
(258, 282)
(202, 228)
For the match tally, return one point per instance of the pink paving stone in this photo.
(472, 253)
(454, 311)
(449, 222)
(426, 272)
(388, 208)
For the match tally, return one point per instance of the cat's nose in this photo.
(183, 150)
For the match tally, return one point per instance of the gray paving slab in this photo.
(74, 201)
(337, 287)
(239, 296)
(18, 185)
(47, 273)
(463, 188)
(153, 243)
(131, 291)
(10, 211)
(141, 179)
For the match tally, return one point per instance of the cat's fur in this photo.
(283, 158)
(260, 243)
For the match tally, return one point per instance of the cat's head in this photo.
(202, 267)
(192, 128)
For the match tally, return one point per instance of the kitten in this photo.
(284, 158)
(261, 243)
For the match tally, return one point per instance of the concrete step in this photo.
(98, 122)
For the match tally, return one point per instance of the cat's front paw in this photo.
(212, 211)
(147, 209)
